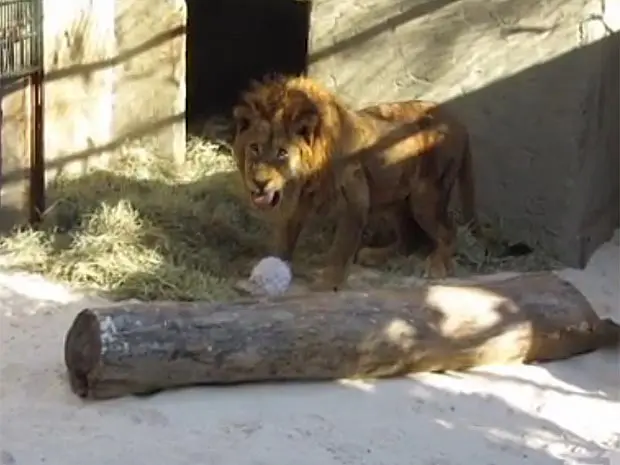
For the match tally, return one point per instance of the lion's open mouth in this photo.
(266, 199)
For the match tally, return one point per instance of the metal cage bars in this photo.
(21, 31)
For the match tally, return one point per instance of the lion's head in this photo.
(278, 124)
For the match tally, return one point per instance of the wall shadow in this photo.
(83, 70)
(137, 133)
(521, 128)
(588, 130)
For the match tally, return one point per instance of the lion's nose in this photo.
(260, 185)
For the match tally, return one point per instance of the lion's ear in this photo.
(303, 115)
(305, 122)
(243, 117)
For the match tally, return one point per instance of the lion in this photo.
(302, 151)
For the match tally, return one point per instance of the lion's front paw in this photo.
(328, 280)
(438, 267)
(320, 285)
(371, 256)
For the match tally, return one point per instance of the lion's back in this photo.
(423, 112)
(417, 140)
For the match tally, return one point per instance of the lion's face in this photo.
(273, 149)
(272, 164)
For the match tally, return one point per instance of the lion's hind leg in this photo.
(429, 206)
(377, 256)
(408, 238)
(384, 224)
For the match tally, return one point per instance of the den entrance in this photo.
(230, 42)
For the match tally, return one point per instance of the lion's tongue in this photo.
(264, 199)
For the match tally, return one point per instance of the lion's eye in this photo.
(254, 148)
(282, 154)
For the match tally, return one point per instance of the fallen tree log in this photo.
(137, 348)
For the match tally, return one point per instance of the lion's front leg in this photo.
(286, 235)
(346, 242)
(355, 203)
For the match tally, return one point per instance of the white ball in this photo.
(271, 276)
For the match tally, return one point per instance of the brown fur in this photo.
(296, 138)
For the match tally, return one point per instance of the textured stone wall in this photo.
(114, 75)
(15, 155)
(80, 49)
(533, 80)
(150, 80)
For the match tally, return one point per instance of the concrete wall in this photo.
(115, 74)
(150, 89)
(533, 80)
(15, 155)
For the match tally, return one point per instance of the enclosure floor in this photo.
(560, 413)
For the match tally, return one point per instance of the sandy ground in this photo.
(558, 413)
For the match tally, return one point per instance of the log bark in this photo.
(139, 348)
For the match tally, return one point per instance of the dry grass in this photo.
(148, 229)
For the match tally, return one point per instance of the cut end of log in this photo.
(82, 350)
(608, 333)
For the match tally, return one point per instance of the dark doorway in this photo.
(230, 42)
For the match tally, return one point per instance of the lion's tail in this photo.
(467, 188)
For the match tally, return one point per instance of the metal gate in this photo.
(21, 59)
(20, 37)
